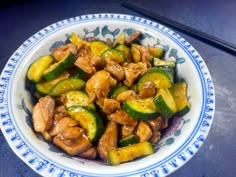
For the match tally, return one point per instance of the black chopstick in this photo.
(217, 42)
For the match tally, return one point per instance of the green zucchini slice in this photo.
(66, 85)
(36, 69)
(140, 109)
(156, 51)
(179, 92)
(75, 39)
(128, 140)
(156, 62)
(120, 39)
(89, 120)
(76, 98)
(136, 54)
(128, 153)
(117, 90)
(165, 103)
(160, 77)
(126, 51)
(56, 69)
(113, 54)
(43, 88)
(79, 73)
(98, 47)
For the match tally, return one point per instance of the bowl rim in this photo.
(187, 150)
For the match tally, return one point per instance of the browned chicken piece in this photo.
(126, 95)
(115, 69)
(127, 130)
(122, 117)
(64, 75)
(83, 62)
(156, 136)
(143, 132)
(60, 112)
(108, 140)
(72, 133)
(62, 100)
(62, 124)
(155, 125)
(164, 123)
(80, 46)
(60, 52)
(43, 113)
(147, 90)
(133, 37)
(110, 105)
(72, 146)
(90, 153)
(133, 71)
(100, 102)
(96, 61)
(85, 52)
(98, 85)
(146, 57)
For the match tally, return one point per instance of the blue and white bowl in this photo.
(179, 144)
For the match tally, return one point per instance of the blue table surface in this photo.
(20, 19)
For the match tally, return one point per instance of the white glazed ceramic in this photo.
(179, 143)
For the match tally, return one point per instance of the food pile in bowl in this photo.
(106, 100)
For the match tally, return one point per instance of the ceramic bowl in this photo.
(178, 144)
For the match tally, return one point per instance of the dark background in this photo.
(21, 19)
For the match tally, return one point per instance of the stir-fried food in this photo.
(107, 101)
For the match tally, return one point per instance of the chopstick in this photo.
(214, 41)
